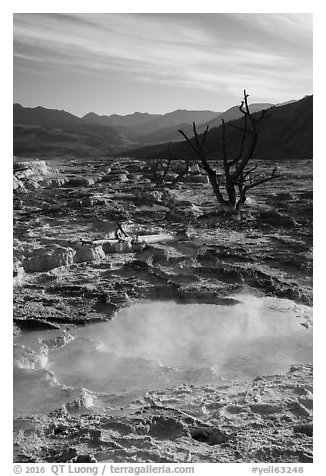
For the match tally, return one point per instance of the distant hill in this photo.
(182, 115)
(171, 133)
(285, 133)
(139, 124)
(166, 134)
(132, 121)
(51, 132)
(234, 113)
(41, 116)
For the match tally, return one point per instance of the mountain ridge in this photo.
(139, 123)
(285, 133)
(171, 133)
(45, 131)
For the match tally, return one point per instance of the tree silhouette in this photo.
(237, 176)
(161, 170)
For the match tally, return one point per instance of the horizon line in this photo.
(153, 113)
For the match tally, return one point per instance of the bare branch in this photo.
(204, 136)
(188, 141)
(245, 97)
(210, 172)
(253, 133)
(263, 180)
(263, 114)
(248, 172)
(198, 149)
(243, 138)
(236, 177)
(198, 144)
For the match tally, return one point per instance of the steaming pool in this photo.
(155, 345)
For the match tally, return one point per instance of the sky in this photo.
(121, 63)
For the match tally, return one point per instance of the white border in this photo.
(138, 6)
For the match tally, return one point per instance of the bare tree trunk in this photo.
(235, 170)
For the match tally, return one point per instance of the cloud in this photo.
(285, 25)
(197, 51)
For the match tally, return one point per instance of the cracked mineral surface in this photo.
(73, 271)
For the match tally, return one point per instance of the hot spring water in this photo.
(155, 345)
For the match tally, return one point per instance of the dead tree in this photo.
(237, 177)
(161, 170)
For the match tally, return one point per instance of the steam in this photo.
(147, 341)
(26, 358)
(157, 345)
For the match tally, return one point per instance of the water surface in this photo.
(155, 345)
